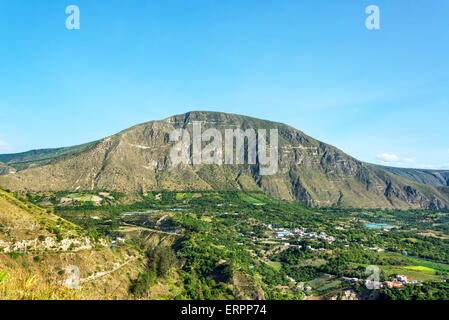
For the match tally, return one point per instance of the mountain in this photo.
(33, 158)
(429, 177)
(137, 160)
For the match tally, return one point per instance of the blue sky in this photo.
(379, 95)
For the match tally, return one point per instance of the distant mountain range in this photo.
(137, 160)
(424, 176)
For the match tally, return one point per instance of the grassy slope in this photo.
(429, 177)
(41, 157)
(40, 274)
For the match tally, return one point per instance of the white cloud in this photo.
(4, 146)
(386, 157)
(393, 160)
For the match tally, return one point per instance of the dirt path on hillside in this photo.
(105, 273)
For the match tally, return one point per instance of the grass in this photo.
(83, 197)
(320, 281)
(313, 262)
(412, 274)
(252, 200)
(18, 284)
(184, 196)
(420, 268)
(436, 266)
(329, 285)
(24, 278)
(275, 265)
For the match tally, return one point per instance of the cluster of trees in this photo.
(426, 291)
(159, 262)
(302, 274)
(207, 289)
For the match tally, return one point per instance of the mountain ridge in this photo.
(424, 176)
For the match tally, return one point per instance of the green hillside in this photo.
(430, 177)
(41, 157)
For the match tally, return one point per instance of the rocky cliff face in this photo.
(4, 169)
(138, 160)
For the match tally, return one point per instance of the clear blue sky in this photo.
(377, 95)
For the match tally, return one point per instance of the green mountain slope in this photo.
(137, 160)
(430, 177)
(34, 158)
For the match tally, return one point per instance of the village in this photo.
(282, 233)
(398, 282)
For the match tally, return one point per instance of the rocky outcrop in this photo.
(4, 169)
(50, 244)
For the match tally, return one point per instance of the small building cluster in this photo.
(302, 233)
(398, 282)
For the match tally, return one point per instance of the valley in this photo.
(238, 245)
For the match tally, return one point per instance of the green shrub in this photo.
(14, 255)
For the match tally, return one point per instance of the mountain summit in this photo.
(138, 160)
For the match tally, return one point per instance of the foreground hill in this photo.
(40, 252)
(137, 160)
